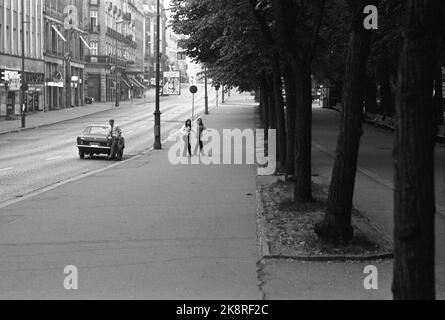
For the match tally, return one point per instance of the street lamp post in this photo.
(116, 104)
(206, 96)
(23, 84)
(157, 114)
(68, 79)
(223, 94)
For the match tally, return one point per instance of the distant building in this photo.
(64, 47)
(116, 39)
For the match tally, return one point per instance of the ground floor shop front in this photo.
(10, 94)
(103, 86)
(57, 85)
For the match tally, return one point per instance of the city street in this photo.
(34, 159)
(193, 150)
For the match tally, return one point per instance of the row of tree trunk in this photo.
(417, 113)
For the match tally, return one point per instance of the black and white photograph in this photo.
(224, 156)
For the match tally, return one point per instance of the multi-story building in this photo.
(65, 41)
(11, 51)
(172, 48)
(112, 59)
(135, 71)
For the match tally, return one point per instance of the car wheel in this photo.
(82, 155)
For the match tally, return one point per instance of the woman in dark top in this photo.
(187, 132)
(201, 129)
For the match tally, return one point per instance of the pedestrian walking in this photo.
(201, 129)
(187, 132)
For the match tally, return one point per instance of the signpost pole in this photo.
(157, 130)
(23, 84)
(193, 107)
(206, 97)
(193, 91)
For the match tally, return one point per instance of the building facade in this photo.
(113, 61)
(65, 41)
(135, 71)
(11, 51)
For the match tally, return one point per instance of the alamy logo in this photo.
(71, 281)
(235, 147)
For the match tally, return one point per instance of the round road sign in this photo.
(193, 89)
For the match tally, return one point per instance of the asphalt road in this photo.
(34, 159)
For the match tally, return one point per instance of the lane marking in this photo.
(142, 127)
(6, 169)
(53, 158)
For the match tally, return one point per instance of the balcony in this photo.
(107, 60)
(128, 40)
(94, 29)
(127, 17)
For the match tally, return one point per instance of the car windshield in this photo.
(97, 130)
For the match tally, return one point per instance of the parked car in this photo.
(89, 100)
(95, 141)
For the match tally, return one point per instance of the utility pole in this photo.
(116, 105)
(217, 98)
(157, 114)
(23, 84)
(206, 96)
(68, 70)
(223, 94)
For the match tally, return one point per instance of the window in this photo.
(93, 18)
(94, 48)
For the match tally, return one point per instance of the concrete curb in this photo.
(265, 254)
(331, 258)
(59, 121)
(52, 123)
(263, 244)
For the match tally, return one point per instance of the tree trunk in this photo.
(414, 203)
(266, 105)
(303, 133)
(291, 100)
(336, 226)
(438, 97)
(271, 98)
(279, 111)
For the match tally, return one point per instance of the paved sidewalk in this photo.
(40, 119)
(143, 230)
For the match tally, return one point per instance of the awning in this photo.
(58, 32)
(136, 83)
(125, 82)
(85, 42)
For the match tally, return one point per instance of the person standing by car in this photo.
(114, 134)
